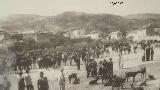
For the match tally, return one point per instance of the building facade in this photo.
(137, 34)
(113, 35)
(95, 35)
(75, 33)
(157, 31)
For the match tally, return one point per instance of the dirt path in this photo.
(131, 61)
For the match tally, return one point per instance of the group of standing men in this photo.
(25, 81)
(148, 52)
(104, 69)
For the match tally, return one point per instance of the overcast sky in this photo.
(53, 7)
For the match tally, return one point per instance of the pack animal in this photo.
(136, 88)
(76, 81)
(143, 72)
(71, 76)
(93, 82)
(118, 81)
(131, 74)
(105, 76)
(151, 77)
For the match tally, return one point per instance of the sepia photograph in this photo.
(79, 44)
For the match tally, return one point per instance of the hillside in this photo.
(143, 16)
(104, 22)
(23, 22)
(144, 19)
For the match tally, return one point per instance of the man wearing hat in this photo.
(21, 83)
(43, 82)
(61, 80)
(110, 69)
(28, 81)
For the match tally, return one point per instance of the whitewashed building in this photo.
(1, 36)
(114, 35)
(75, 33)
(157, 30)
(94, 35)
(137, 35)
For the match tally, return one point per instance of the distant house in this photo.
(137, 34)
(75, 33)
(114, 35)
(2, 35)
(95, 35)
(157, 31)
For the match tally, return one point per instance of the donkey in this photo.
(131, 74)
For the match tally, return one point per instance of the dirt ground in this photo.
(132, 62)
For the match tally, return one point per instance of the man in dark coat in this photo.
(43, 82)
(59, 58)
(110, 68)
(88, 68)
(147, 53)
(94, 69)
(100, 68)
(77, 59)
(105, 71)
(152, 53)
(21, 83)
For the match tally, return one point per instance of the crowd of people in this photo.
(104, 69)
(148, 48)
(44, 59)
(25, 81)
(54, 59)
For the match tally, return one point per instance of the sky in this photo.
(54, 7)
